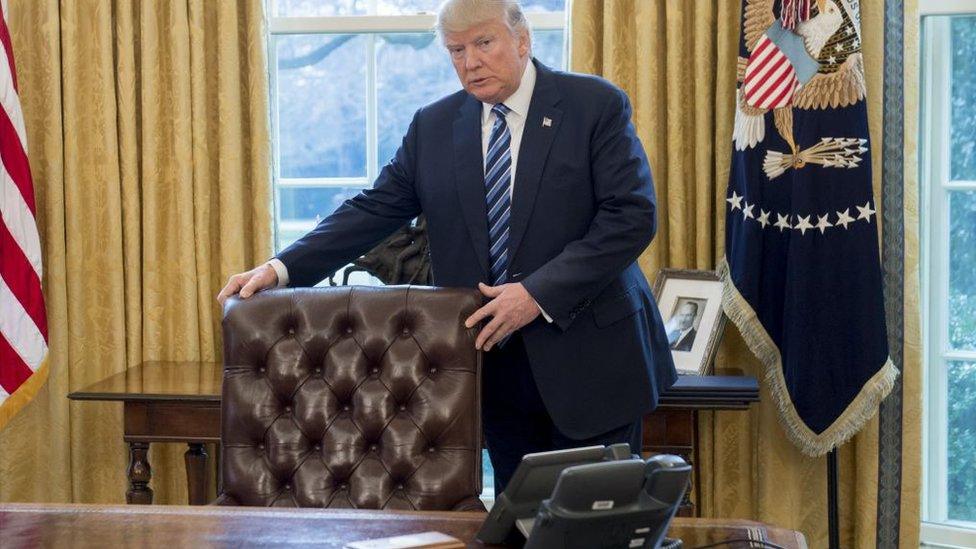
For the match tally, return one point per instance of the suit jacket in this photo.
(583, 210)
(685, 343)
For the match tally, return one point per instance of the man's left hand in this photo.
(511, 307)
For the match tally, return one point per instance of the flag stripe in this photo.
(777, 90)
(763, 72)
(9, 102)
(23, 282)
(8, 49)
(14, 159)
(17, 217)
(775, 68)
(20, 332)
(14, 371)
(784, 98)
(758, 55)
(760, 59)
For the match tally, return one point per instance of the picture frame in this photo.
(690, 302)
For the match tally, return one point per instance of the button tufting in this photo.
(291, 331)
(373, 447)
(431, 449)
(318, 447)
(346, 408)
(318, 370)
(375, 370)
(348, 329)
(261, 446)
(288, 487)
(399, 487)
(406, 331)
(433, 370)
(403, 407)
(343, 486)
(262, 369)
(287, 409)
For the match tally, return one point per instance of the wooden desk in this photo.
(180, 402)
(179, 526)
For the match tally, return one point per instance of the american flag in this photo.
(23, 323)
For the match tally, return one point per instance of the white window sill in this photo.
(950, 536)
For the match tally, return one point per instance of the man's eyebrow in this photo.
(475, 40)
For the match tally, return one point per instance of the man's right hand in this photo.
(246, 284)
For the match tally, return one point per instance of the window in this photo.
(948, 170)
(346, 79)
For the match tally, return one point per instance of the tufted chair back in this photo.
(352, 397)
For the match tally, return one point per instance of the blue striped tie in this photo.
(498, 180)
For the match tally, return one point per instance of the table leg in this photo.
(196, 473)
(139, 474)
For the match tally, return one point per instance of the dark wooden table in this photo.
(165, 402)
(179, 526)
(180, 402)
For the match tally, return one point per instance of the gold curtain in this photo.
(677, 61)
(147, 126)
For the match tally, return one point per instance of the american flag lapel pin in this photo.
(546, 122)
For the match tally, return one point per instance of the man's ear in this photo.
(525, 42)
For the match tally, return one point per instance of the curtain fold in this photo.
(148, 135)
(677, 62)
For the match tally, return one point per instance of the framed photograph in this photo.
(691, 306)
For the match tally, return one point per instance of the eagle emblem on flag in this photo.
(802, 272)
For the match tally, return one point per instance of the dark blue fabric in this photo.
(818, 295)
(583, 210)
(515, 418)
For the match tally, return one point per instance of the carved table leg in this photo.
(139, 474)
(196, 473)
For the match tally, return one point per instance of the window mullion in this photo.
(937, 228)
(274, 123)
(372, 125)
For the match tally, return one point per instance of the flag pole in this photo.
(832, 522)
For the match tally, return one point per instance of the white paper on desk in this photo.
(424, 540)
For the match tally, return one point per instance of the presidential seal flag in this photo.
(802, 273)
(23, 324)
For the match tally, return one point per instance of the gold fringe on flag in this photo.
(861, 409)
(27, 391)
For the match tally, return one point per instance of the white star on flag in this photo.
(843, 218)
(783, 222)
(747, 211)
(865, 211)
(736, 201)
(802, 224)
(822, 223)
(763, 218)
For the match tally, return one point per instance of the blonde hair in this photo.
(460, 15)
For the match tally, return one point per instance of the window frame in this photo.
(935, 192)
(370, 26)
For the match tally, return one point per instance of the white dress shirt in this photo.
(518, 104)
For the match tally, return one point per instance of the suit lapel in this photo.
(541, 125)
(470, 176)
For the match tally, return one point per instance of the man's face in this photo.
(686, 316)
(488, 59)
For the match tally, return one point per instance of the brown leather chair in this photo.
(362, 397)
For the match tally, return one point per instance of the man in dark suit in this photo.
(536, 190)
